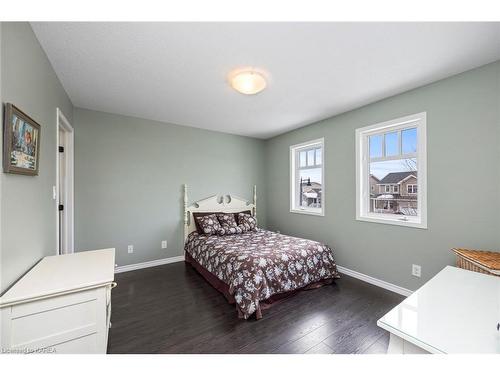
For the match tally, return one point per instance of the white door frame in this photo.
(68, 199)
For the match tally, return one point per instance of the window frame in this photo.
(294, 168)
(419, 121)
(412, 189)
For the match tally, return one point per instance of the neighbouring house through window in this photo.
(307, 177)
(391, 172)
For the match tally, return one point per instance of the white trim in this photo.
(294, 149)
(374, 281)
(307, 211)
(68, 202)
(390, 220)
(343, 270)
(151, 263)
(396, 124)
(393, 157)
(346, 271)
(408, 177)
(363, 178)
(412, 188)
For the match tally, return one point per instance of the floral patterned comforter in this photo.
(259, 264)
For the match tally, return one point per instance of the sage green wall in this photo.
(28, 212)
(1, 164)
(129, 174)
(463, 143)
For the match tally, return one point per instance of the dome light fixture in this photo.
(248, 82)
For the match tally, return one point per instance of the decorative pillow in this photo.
(209, 224)
(247, 222)
(196, 217)
(228, 224)
(242, 212)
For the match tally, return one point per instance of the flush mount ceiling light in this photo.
(248, 82)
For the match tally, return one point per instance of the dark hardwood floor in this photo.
(172, 309)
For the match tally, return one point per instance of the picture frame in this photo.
(21, 142)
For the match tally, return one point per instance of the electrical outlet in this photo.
(164, 244)
(130, 249)
(416, 270)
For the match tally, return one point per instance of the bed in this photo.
(255, 268)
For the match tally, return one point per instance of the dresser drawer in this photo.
(85, 344)
(62, 323)
(53, 303)
(61, 305)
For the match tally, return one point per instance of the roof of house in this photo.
(395, 177)
(313, 186)
(311, 195)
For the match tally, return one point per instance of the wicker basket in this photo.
(479, 261)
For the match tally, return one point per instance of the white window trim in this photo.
(363, 179)
(408, 189)
(293, 171)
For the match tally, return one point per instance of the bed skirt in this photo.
(223, 288)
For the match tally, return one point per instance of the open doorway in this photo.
(64, 184)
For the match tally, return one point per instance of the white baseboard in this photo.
(152, 263)
(344, 270)
(374, 281)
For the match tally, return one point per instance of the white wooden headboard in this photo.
(215, 203)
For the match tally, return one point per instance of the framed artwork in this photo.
(21, 142)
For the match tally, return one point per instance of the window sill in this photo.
(392, 221)
(307, 212)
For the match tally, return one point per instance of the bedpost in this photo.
(255, 200)
(185, 212)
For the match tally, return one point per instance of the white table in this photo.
(457, 311)
(62, 305)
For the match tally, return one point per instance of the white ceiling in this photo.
(177, 72)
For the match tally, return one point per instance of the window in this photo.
(412, 189)
(394, 153)
(307, 178)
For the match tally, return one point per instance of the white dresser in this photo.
(457, 311)
(62, 305)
